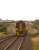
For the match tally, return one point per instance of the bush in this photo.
(34, 35)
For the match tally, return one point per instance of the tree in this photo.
(36, 24)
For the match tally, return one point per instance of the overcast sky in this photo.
(19, 9)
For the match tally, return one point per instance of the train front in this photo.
(21, 31)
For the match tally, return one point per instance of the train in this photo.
(20, 28)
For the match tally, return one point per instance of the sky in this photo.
(19, 9)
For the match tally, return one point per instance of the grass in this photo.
(35, 43)
(36, 46)
(3, 34)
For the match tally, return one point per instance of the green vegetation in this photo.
(35, 35)
(36, 24)
(3, 29)
(3, 34)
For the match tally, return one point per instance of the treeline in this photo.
(2, 27)
(35, 25)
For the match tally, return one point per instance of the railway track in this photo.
(12, 43)
(4, 39)
(6, 42)
(16, 45)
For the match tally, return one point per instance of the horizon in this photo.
(18, 19)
